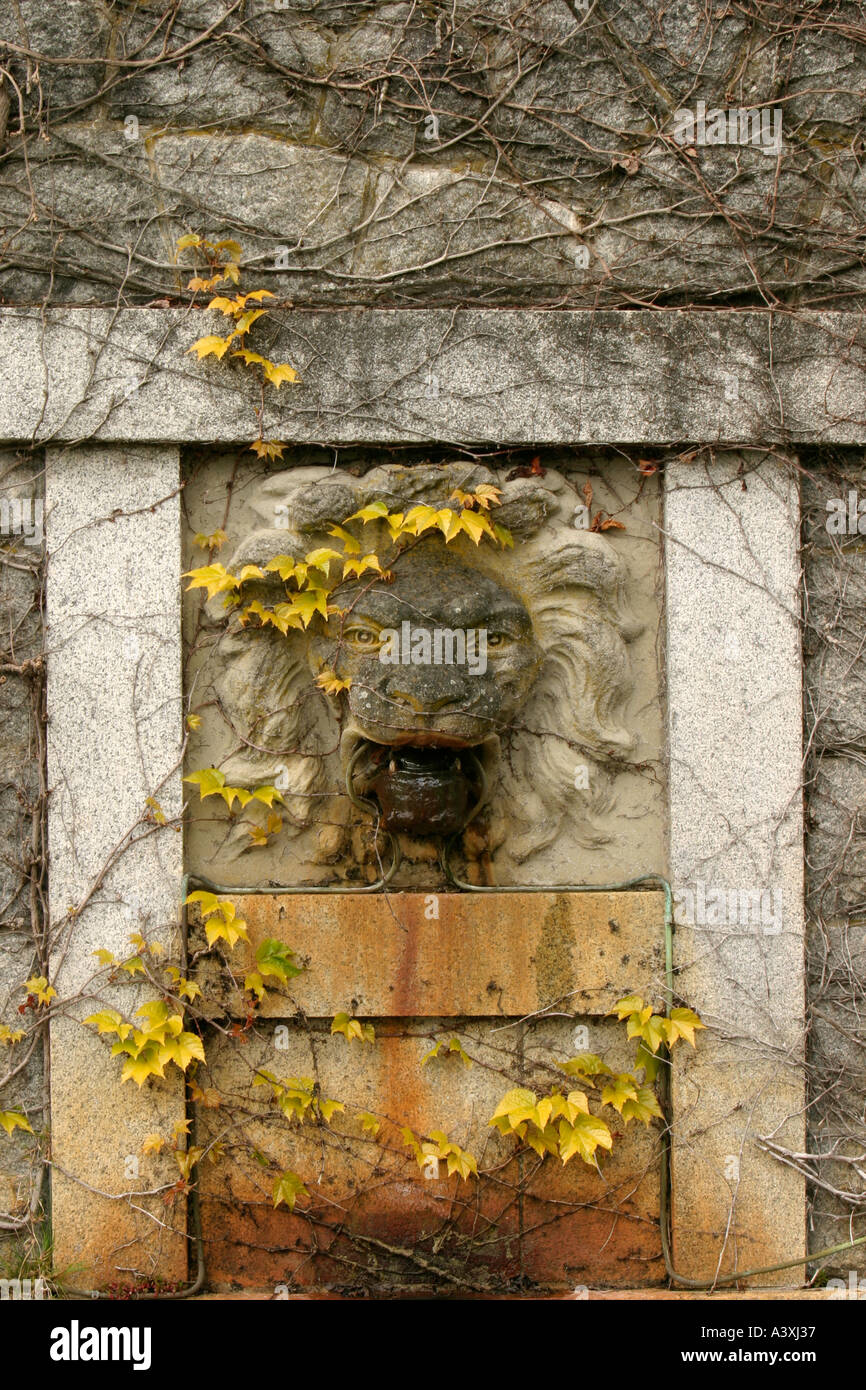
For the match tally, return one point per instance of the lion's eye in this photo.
(498, 639)
(363, 636)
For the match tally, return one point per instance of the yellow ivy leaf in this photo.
(327, 1108)
(308, 604)
(110, 1021)
(622, 1088)
(283, 565)
(153, 1144)
(189, 239)
(268, 448)
(214, 541)
(208, 902)
(252, 359)
(185, 1048)
(682, 1024)
(419, 519)
(277, 374)
(258, 836)
(454, 1046)
(372, 512)
(13, 1119)
(475, 526)
(221, 928)
(38, 985)
(448, 523)
(210, 782)
(321, 559)
(153, 805)
(631, 1004)
(350, 545)
(282, 616)
(215, 578)
(155, 1012)
(486, 495)
(211, 345)
(544, 1141)
(583, 1137)
(331, 683)
(193, 721)
(149, 1062)
(353, 1028)
(650, 1027)
(585, 1065)
(229, 307)
(104, 957)
(410, 1141)
(246, 321)
(360, 566)
(10, 1036)
(515, 1107)
(643, 1107)
(186, 1159)
(133, 966)
(267, 795)
(461, 1162)
(288, 1187)
(369, 1123)
(254, 984)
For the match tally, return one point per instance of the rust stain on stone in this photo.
(373, 1220)
(394, 959)
(554, 953)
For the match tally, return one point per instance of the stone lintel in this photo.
(511, 376)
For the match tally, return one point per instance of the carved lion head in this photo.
(514, 657)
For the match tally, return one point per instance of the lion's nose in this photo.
(405, 697)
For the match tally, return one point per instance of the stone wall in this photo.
(443, 156)
(834, 576)
(22, 810)
(438, 153)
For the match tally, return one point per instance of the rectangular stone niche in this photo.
(524, 980)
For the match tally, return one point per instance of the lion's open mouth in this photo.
(418, 790)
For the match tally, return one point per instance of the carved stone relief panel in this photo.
(496, 691)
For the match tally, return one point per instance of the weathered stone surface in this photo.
(496, 126)
(837, 970)
(114, 735)
(834, 593)
(372, 1218)
(486, 953)
(836, 840)
(392, 376)
(736, 752)
(21, 559)
(76, 33)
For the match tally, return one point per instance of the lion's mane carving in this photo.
(555, 703)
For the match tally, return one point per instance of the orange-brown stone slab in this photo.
(484, 954)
